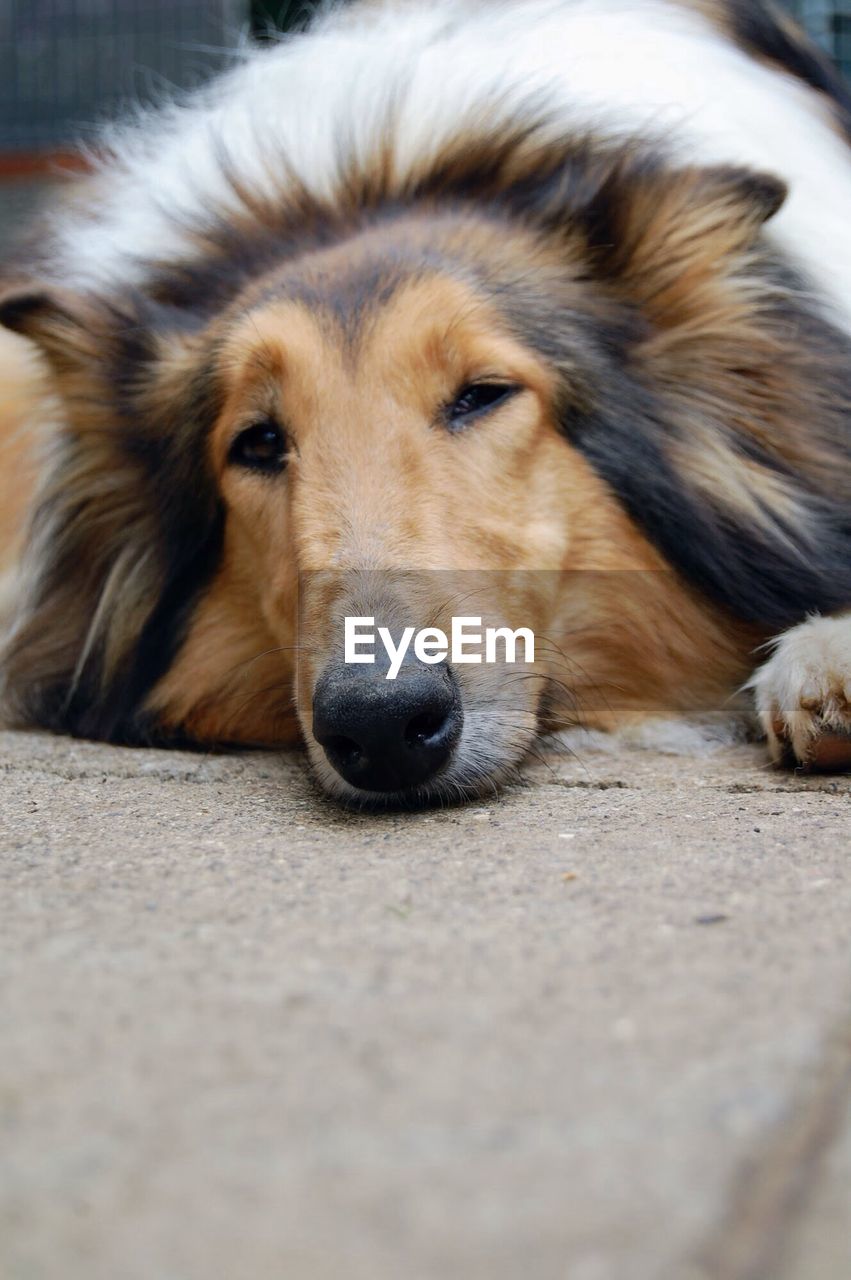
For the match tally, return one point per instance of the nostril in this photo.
(425, 728)
(345, 751)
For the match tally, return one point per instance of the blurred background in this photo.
(66, 65)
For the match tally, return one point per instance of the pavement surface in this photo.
(596, 1029)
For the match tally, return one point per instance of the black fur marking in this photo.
(190, 524)
(771, 581)
(761, 32)
(770, 574)
(113, 714)
(350, 299)
(18, 308)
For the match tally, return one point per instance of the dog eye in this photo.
(261, 447)
(476, 399)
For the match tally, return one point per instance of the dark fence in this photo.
(66, 65)
(829, 22)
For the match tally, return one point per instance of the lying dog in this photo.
(544, 303)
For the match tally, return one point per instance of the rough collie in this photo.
(539, 304)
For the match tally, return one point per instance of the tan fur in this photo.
(23, 394)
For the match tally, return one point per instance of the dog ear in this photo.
(78, 331)
(58, 322)
(19, 308)
(664, 236)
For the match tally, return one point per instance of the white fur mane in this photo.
(617, 67)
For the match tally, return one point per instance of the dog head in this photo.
(530, 384)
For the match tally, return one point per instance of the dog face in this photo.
(387, 444)
(564, 408)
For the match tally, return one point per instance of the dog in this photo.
(543, 305)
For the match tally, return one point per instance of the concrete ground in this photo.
(597, 1029)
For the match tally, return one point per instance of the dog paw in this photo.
(803, 694)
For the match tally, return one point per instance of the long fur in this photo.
(691, 157)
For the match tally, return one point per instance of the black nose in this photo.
(387, 735)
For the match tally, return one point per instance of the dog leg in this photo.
(803, 694)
